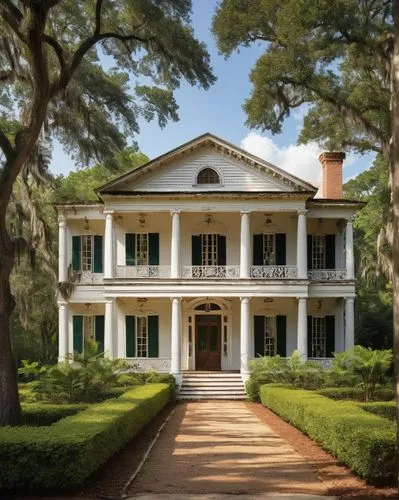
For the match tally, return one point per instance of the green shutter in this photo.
(153, 245)
(310, 329)
(310, 266)
(281, 324)
(99, 332)
(259, 336)
(77, 325)
(98, 254)
(330, 336)
(221, 250)
(330, 251)
(130, 249)
(76, 244)
(130, 336)
(280, 249)
(196, 250)
(153, 336)
(257, 250)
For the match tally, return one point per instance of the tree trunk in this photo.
(395, 200)
(10, 409)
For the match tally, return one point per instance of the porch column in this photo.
(176, 339)
(62, 331)
(302, 243)
(245, 245)
(349, 322)
(244, 338)
(350, 264)
(108, 246)
(109, 328)
(62, 249)
(175, 245)
(302, 330)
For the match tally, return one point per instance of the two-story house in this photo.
(208, 256)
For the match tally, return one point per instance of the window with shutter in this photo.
(130, 331)
(318, 337)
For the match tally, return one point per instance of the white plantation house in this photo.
(206, 257)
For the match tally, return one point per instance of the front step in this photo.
(211, 385)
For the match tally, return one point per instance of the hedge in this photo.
(364, 442)
(66, 453)
(39, 414)
(385, 409)
(356, 393)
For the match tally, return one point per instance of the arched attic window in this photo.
(208, 176)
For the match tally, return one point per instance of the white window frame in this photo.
(207, 184)
(141, 336)
(209, 249)
(269, 249)
(89, 328)
(319, 337)
(142, 249)
(270, 336)
(87, 261)
(318, 251)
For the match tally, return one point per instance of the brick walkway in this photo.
(222, 447)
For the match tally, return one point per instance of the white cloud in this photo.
(301, 161)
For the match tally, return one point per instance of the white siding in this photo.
(181, 176)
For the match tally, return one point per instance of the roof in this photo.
(208, 139)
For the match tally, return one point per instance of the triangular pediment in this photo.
(177, 171)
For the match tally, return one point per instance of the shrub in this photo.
(83, 380)
(382, 409)
(252, 389)
(364, 442)
(66, 453)
(369, 366)
(356, 393)
(39, 414)
(292, 370)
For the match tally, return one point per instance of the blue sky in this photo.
(219, 111)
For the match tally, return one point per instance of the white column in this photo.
(302, 333)
(109, 329)
(176, 339)
(62, 331)
(108, 246)
(62, 250)
(245, 245)
(175, 245)
(350, 264)
(244, 338)
(302, 244)
(349, 322)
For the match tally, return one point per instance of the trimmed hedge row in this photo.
(385, 409)
(66, 453)
(40, 414)
(355, 393)
(364, 442)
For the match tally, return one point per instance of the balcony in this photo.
(273, 272)
(211, 272)
(327, 274)
(142, 272)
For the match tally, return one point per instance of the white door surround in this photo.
(189, 320)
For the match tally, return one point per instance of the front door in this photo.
(207, 342)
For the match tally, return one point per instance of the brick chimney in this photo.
(331, 164)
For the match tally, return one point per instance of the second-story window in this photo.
(318, 251)
(209, 243)
(321, 251)
(87, 253)
(142, 249)
(269, 249)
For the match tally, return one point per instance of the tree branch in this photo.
(12, 16)
(97, 31)
(59, 51)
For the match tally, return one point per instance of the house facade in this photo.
(207, 257)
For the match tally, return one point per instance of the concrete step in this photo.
(208, 398)
(203, 383)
